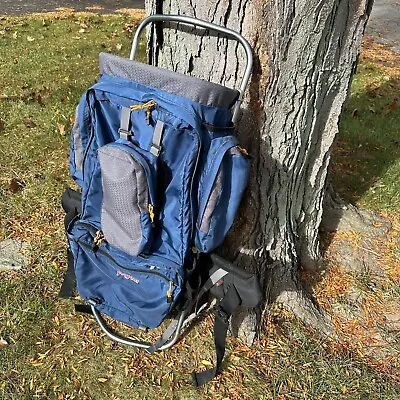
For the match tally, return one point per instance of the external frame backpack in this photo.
(161, 176)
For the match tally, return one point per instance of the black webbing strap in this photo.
(83, 308)
(223, 311)
(71, 203)
(69, 284)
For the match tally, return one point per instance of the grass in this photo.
(366, 162)
(53, 353)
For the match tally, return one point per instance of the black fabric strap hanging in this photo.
(69, 283)
(71, 203)
(223, 311)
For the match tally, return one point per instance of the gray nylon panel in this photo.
(194, 89)
(125, 198)
(78, 148)
(212, 202)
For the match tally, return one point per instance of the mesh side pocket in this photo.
(212, 202)
(124, 214)
(221, 188)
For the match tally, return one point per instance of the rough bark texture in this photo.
(305, 54)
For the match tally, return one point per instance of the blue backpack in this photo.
(161, 176)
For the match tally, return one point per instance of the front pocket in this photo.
(127, 213)
(134, 290)
(220, 191)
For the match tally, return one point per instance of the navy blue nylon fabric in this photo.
(142, 290)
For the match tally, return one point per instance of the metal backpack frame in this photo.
(174, 330)
(240, 289)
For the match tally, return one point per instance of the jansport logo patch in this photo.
(127, 276)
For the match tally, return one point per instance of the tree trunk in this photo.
(305, 54)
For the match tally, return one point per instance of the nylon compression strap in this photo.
(223, 311)
(69, 283)
(125, 122)
(157, 137)
(71, 202)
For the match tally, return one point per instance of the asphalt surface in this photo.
(21, 7)
(384, 23)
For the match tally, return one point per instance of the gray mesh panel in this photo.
(212, 202)
(197, 90)
(78, 149)
(125, 198)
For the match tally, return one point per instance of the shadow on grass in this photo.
(365, 164)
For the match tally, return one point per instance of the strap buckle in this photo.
(124, 134)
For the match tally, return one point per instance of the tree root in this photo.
(341, 216)
(301, 305)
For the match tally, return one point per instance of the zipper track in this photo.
(100, 250)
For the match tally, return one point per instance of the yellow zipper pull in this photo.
(169, 292)
(151, 213)
(98, 239)
(243, 151)
(148, 106)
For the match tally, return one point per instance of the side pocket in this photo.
(127, 213)
(79, 139)
(221, 189)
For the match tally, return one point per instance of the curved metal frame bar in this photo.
(131, 342)
(207, 25)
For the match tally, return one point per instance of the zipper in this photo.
(169, 293)
(110, 257)
(149, 106)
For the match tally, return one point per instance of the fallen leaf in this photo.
(3, 343)
(15, 185)
(29, 122)
(82, 30)
(61, 129)
(30, 39)
(102, 380)
(391, 106)
(118, 46)
(206, 363)
(354, 113)
(15, 35)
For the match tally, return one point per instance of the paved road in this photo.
(384, 23)
(20, 7)
(383, 26)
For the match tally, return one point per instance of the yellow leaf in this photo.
(30, 39)
(344, 389)
(102, 380)
(206, 363)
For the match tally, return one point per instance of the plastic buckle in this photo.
(124, 134)
(155, 149)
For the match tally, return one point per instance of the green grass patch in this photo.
(53, 353)
(366, 161)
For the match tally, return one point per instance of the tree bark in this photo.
(305, 54)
